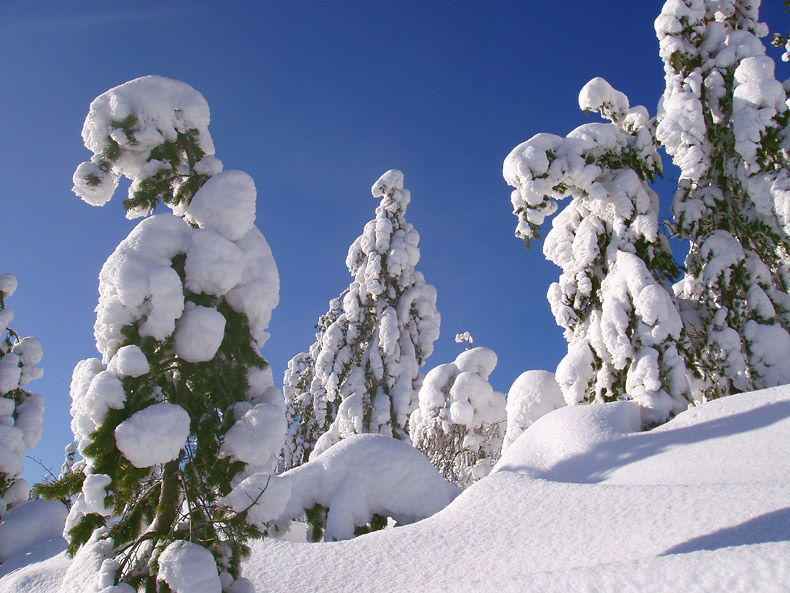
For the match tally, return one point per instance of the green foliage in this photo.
(82, 532)
(62, 488)
(377, 523)
(316, 520)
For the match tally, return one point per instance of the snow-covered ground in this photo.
(580, 502)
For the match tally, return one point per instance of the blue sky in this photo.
(314, 100)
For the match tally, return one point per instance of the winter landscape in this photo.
(651, 456)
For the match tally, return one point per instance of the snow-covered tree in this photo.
(309, 414)
(724, 120)
(460, 421)
(181, 407)
(21, 411)
(367, 360)
(619, 318)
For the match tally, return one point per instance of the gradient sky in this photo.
(315, 100)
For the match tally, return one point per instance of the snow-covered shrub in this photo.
(21, 411)
(619, 317)
(181, 406)
(460, 421)
(724, 120)
(532, 395)
(365, 364)
(353, 482)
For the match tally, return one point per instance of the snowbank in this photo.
(579, 502)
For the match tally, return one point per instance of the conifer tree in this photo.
(309, 413)
(460, 422)
(181, 407)
(724, 118)
(612, 298)
(21, 411)
(367, 360)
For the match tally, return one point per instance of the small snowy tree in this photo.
(460, 421)
(724, 120)
(367, 360)
(612, 301)
(21, 411)
(182, 405)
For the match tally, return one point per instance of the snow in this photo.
(199, 333)
(532, 395)
(364, 475)
(153, 435)
(580, 502)
(257, 436)
(29, 524)
(225, 204)
(189, 568)
(129, 361)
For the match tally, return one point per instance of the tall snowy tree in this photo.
(366, 362)
(21, 411)
(724, 118)
(612, 299)
(460, 422)
(181, 407)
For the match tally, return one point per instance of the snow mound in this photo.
(364, 475)
(696, 505)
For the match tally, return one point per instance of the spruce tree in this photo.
(724, 118)
(21, 411)
(366, 362)
(309, 413)
(181, 406)
(612, 298)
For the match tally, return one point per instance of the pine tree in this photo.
(181, 406)
(724, 119)
(309, 414)
(612, 298)
(367, 360)
(460, 422)
(21, 411)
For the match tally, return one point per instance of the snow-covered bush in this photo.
(181, 406)
(619, 318)
(348, 486)
(724, 120)
(21, 411)
(365, 364)
(460, 421)
(532, 395)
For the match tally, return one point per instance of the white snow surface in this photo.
(579, 503)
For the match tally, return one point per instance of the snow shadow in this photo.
(596, 464)
(771, 527)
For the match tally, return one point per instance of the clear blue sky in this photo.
(314, 100)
